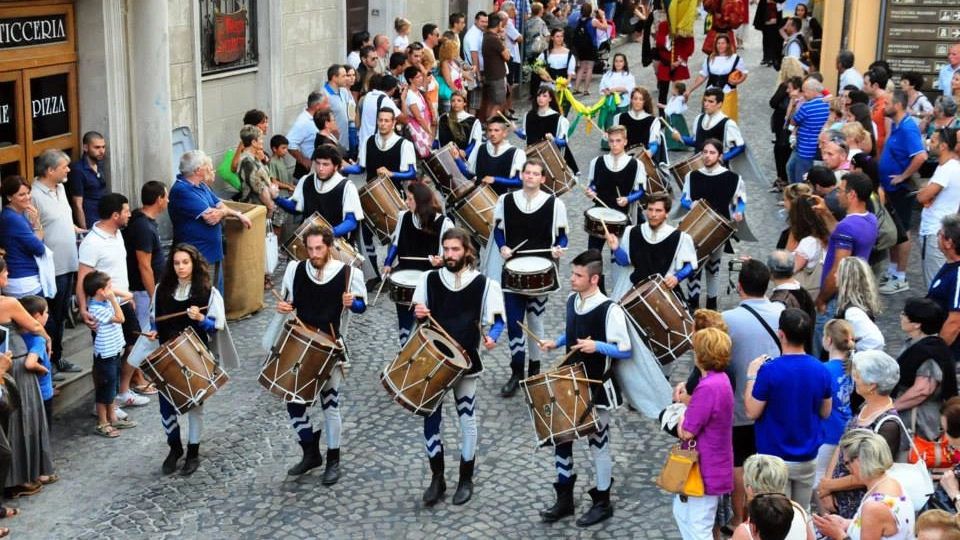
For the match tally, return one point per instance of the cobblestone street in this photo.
(114, 488)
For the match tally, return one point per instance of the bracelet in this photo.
(751, 378)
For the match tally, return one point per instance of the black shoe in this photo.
(438, 486)
(533, 368)
(712, 303)
(465, 483)
(170, 464)
(601, 510)
(332, 473)
(564, 506)
(67, 366)
(192, 463)
(311, 458)
(510, 388)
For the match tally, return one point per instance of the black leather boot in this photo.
(712, 302)
(601, 509)
(311, 458)
(465, 483)
(533, 368)
(437, 485)
(192, 463)
(513, 383)
(332, 473)
(170, 464)
(564, 505)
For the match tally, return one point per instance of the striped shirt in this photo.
(810, 118)
(109, 336)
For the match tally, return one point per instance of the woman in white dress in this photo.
(716, 72)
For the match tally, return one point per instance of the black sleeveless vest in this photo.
(377, 158)
(318, 305)
(170, 328)
(608, 182)
(445, 135)
(648, 259)
(460, 312)
(536, 228)
(501, 166)
(538, 126)
(416, 242)
(716, 132)
(638, 131)
(717, 189)
(592, 324)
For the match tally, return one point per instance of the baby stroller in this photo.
(603, 58)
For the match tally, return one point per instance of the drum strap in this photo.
(766, 326)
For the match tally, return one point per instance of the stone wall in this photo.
(183, 70)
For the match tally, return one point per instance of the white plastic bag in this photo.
(272, 253)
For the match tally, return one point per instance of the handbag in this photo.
(914, 478)
(886, 228)
(272, 253)
(933, 454)
(681, 472)
(443, 89)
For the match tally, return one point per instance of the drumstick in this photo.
(578, 379)
(414, 258)
(295, 318)
(530, 333)
(175, 315)
(544, 250)
(567, 356)
(509, 122)
(618, 192)
(605, 229)
(516, 247)
(597, 199)
(379, 290)
(441, 330)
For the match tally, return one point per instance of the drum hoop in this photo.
(511, 264)
(590, 416)
(593, 211)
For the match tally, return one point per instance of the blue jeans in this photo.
(609, 8)
(106, 376)
(58, 306)
(797, 167)
(822, 319)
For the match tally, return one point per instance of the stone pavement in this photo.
(114, 489)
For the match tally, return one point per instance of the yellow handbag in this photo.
(681, 472)
(694, 485)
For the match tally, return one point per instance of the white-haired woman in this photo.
(858, 303)
(766, 476)
(885, 511)
(875, 375)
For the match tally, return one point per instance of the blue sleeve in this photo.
(499, 237)
(560, 141)
(593, 186)
(208, 325)
(761, 387)
(509, 182)
(611, 350)
(734, 152)
(436, 144)
(391, 253)
(621, 256)
(521, 133)
(20, 229)
(187, 205)
(634, 196)
(347, 226)
(684, 272)
(497, 328)
(286, 204)
(469, 148)
(464, 168)
(358, 306)
(654, 147)
(356, 168)
(74, 185)
(561, 341)
(685, 202)
(688, 140)
(741, 206)
(408, 174)
(561, 240)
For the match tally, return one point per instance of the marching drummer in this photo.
(305, 284)
(546, 123)
(463, 299)
(538, 221)
(713, 124)
(497, 162)
(724, 191)
(416, 243)
(185, 288)
(642, 125)
(654, 247)
(459, 126)
(597, 336)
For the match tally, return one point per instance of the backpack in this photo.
(581, 37)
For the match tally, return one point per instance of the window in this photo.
(228, 39)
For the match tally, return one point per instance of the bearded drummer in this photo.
(538, 220)
(319, 290)
(712, 123)
(462, 299)
(724, 191)
(546, 123)
(416, 243)
(597, 334)
(654, 247)
(497, 163)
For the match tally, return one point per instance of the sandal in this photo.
(106, 430)
(8, 512)
(4, 531)
(51, 479)
(24, 490)
(148, 389)
(123, 424)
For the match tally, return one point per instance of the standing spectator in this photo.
(752, 327)
(367, 69)
(783, 102)
(938, 524)
(826, 181)
(858, 303)
(358, 41)
(811, 233)
(514, 40)
(902, 156)
(450, 71)
(945, 286)
(795, 44)
(472, 52)
(431, 36)
(422, 120)
(145, 257)
(554, 16)
(585, 47)
(787, 290)
(918, 105)
(940, 197)
(849, 76)
(875, 86)
(951, 68)
(339, 98)
(493, 65)
(86, 181)
(381, 45)
(788, 397)
(766, 478)
(809, 119)
(196, 212)
(536, 35)
(380, 96)
(60, 235)
(839, 343)
(303, 134)
(22, 238)
(835, 155)
(768, 18)
(255, 185)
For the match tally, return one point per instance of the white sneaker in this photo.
(131, 399)
(121, 415)
(885, 278)
(893, 286)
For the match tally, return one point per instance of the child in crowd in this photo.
(282, 177)
(38, 361)
(108, 348)
(674, 110)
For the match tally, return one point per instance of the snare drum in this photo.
(426, 368)
(343, 251)
(531, 276)
(475, 211)
(708, 229)
(595, 218)
(381, 207)
(559, 179)
(184, 371)
(660, 317)
(300, 363)
(442, 167)
(560, 405)
(682, 168)
(402, 285)
(654, 182)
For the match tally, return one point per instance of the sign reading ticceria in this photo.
(27, 31)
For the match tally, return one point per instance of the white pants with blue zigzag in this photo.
(465, 392)
(599, 444)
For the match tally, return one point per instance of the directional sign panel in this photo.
(917, 35)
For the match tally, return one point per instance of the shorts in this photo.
(902, 203)
(513, 75)
(744, 444)
(495, 91)
(473, 99)
(106, 377)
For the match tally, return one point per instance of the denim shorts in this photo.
(106, 377)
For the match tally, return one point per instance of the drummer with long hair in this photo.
(459, 126)
(416, 243)
(546, 123)
(643, 126)
(319, 290)
(538, 221)
(185, 287)
(726, 194)
(463, 300)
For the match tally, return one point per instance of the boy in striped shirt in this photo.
(108, 345)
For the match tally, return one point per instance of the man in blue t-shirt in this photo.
(808, 120)
(788, 397)
(945, 286)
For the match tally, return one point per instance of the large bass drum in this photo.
(184, 371)
(426, 368)
(560, 405)
(381, 207)
(708, 229)
(300, 363)
(660, 318)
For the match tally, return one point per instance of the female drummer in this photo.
(459, 127)
(185, 287)
(416, 243)
(643, 126)
(546, 123)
